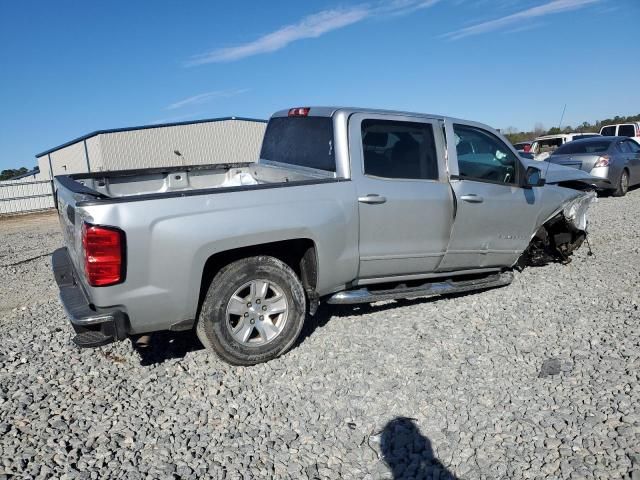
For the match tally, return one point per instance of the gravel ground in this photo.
(538, 379)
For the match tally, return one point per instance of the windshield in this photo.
(301, 141)
(584, 147)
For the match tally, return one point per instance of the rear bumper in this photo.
(94, 327)
(603, 173)
(603, 185)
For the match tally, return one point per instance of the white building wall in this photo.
(227, 141)
(94, 150)
(43, 165)
(70, 159)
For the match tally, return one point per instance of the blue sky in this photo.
(70, 67)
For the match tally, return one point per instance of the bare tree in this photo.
(539, 129)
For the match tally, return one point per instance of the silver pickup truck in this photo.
(344, 206)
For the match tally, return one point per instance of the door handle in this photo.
(472, 198)
(372, 199)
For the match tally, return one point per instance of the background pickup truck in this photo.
(344, 205)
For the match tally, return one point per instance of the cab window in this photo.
(626, 131)
(395, 149)
(483, 156)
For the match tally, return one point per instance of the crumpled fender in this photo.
(575, 211)
(561, 234)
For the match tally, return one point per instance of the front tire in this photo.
(623, 184)
(253, 312)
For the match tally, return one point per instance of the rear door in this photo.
(495, 217)
(405, 202)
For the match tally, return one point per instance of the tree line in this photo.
(12, 172)
(516, 136)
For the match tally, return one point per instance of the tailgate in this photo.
(70, 225)
(67, 196)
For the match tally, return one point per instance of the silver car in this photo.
(614, 159)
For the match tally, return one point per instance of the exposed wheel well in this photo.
(300, 254)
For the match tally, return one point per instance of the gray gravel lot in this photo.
(538, 379)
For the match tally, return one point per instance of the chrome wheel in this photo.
(257, 312)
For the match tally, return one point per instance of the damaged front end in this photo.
(561, 235)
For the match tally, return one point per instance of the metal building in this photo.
(218, 140)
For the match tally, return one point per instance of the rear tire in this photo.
(623, 184)
(253, 312)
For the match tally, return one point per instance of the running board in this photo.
(364, 295)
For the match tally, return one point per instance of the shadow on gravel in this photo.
(166, 345)
(408, 453)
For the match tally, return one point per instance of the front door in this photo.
(405, 202)
(495, 216)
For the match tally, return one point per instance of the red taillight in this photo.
(299, 112)
(603, 161)
(103, 255)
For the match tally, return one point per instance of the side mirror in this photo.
(533, 178)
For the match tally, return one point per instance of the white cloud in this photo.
(555, 6)
(311, 26)
(401, 7)
(525, 27)
(206, 97)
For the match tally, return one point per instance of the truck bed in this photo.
(179, 181)
(173, 227)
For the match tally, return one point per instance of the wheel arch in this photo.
(299, 253)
